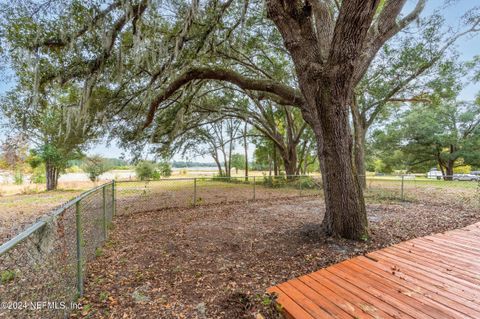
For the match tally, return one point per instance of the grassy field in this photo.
(33, 189)
(19, 211)
(424, 182)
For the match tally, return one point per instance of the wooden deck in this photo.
(431, 277)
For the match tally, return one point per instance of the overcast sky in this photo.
(468, 47)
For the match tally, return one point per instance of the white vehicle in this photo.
(434, 174)
(465, 177)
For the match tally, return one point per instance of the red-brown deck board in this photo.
(432, 277)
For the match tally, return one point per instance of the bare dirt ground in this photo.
(136, 197)
(216, 261)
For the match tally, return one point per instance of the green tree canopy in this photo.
(444, 132)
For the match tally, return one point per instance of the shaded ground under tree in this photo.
(216, 261)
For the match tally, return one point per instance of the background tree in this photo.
(14, 153)
(214, 136)
(245, 148)
(56, 126)
(238, 162)
(263, 155)
(95, 166)
(444, 134)
(283, 125)
(165, 169)
(401, 73)
(145, 170)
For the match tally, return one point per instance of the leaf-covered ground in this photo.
(217, 261)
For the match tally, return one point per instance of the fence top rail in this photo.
(454, 177)
(7, 246)
(208, 177)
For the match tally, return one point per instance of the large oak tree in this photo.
(154, 58)
(331, 49)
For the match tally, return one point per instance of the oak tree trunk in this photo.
(219, 165)
(449, 171)
(275, 161)
(245, 145)
(289, 158)
(330, 54)
(359, 156)
(290, 168)
(451, 163)
(359, 132)
(269, 166)
(345, 214)
(305, 166)
(52, 176)
(225, 164)
(442, 169)
(290, 164)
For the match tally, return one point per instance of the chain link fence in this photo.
(42, 268)
(137, 196)
(462, 188)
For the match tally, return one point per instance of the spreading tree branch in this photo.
(211, 73)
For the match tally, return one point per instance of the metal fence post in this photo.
(79, 250)
(401, 196)
(104, 219)
(254, 183)
(114, 200)
(195, 191)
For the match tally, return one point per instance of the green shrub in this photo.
(95, 166)
(156, 175)
(145, 170)
(306, 182)
(274, 181)
(18, 178)
(220, 178)
(165, 169)
(73, 169)
(38, 175)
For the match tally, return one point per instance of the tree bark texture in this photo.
(275, 161)
(52, 175)
(245, 148)
(359, 133)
